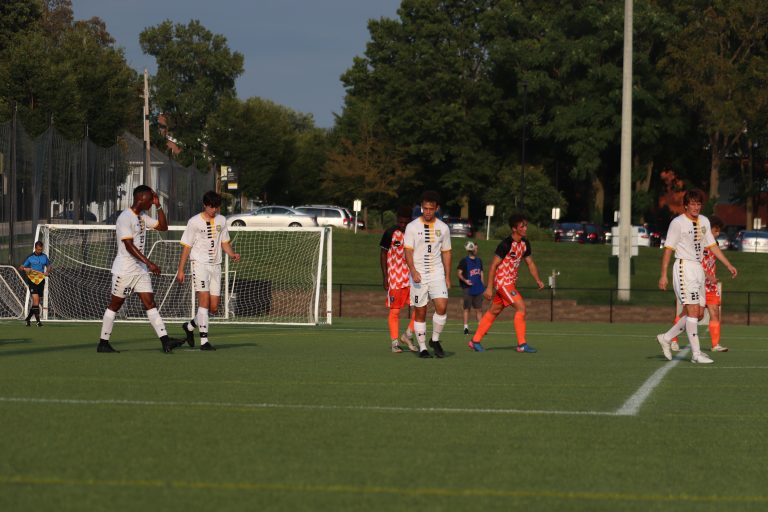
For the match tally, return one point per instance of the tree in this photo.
(17, 16)
(540, 195)
(195, 71)
(717, 67)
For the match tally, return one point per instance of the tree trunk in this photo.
(714, 170)
(599, 203)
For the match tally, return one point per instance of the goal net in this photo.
(283, 277)
(13, 293)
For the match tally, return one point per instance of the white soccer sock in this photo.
(421, 334)
(106, 324)
(202, 324)
(438, 322)
(691, 329)
(676, 329)
(157, 322)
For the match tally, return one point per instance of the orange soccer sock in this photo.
(714, 332)
(520, 327)
(413, 319)
(677, 318)
(394, 323)
(483, 326)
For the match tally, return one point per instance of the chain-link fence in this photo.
(54, 180)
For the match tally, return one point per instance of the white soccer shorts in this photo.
(206, 278)
(422, 292)
(688, 281)
(123, 286)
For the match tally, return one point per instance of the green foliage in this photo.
(195, 71)
(540, 195)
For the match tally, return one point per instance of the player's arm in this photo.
(460, 273)
(720, 256)
(411, 267)
(446, 257)
(488, 293)
(24, 267)
(185, 250)
(383, 264)
(162, 222)
(227, 248)
(665, 267)
(136, 253)
(534, 271)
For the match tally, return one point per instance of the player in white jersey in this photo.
(428, 255)
(688, 235)
(204, 239)
(130, 269)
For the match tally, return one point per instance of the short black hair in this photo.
(716, 222)
(515, 219)
(212, 198)
(404, 211)
(141, 188)
(39, 243)
(430, 196)
(695, 194)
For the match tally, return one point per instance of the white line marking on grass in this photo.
(231, 405)
(633, 404)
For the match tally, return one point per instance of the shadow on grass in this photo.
(32, 350)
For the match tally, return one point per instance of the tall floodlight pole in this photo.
(522, 151)
(625, 189)
(147, 161)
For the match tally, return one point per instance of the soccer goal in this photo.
(13, 293)
(283, 277)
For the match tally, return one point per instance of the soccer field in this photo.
(328, 419)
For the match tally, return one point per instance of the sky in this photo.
(294, 50)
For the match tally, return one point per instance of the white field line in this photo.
(633, 404)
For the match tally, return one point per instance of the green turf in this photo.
(328, 419)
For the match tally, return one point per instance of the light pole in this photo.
(522, 152)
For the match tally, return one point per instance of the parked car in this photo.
(753, 241)
(656, 236)
(328, 215)
(360, 221)
(460, 227)
(70, 215)
(273, 216)
(643, 236)
(570, 232)
(723, 242)
(593, 234)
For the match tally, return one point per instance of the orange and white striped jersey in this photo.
(398, 275)
(511, 254)
(709, 262)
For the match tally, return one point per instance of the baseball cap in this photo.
(470, 246)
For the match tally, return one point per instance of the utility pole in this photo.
(625, 187)
(147, 158)
(11, 191)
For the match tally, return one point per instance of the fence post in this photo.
(551, 304)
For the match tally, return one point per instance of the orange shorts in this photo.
(713, 298)
(398, 299)
(506, 296)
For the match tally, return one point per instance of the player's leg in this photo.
(407, 336)
(520, 326)
(466, 305)
(713, 305)
(477, 305)
(33, 307)
(143, 289)
(674, 345)
(202, 318)
(122, 286)
(36, 301)
(419, 299)
(681, 293)
(438, 291)
(497, 306)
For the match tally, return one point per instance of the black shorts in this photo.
(35, 289)
(472, 301)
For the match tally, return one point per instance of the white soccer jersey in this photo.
(130, 226)
(689, 237)
(428, 241)
(205, 238)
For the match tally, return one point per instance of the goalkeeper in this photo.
(130, 270)
(36, 268)
(203, 241)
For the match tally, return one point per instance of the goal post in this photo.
(283, 277)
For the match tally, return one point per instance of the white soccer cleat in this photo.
(665, 346)
(719, 348)
(701, 358)
(409, 343)
(674, 346)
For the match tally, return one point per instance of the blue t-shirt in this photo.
(472, 270)
(36, 262)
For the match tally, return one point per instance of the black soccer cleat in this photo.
(435, 345)
(189, 333)
(424, 354)
(104, 346)
(39, 323)
(466, 331)
(28, 324)
(207, 346)
(170, 343)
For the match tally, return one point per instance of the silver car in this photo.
(753, 241)
(273, 217)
